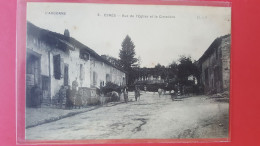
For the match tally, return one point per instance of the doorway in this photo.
(33, 74)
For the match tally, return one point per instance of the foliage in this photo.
(175, 75)
(109, 87)
(93, 101)
(185, 69)
(127, 53)
(127, 57)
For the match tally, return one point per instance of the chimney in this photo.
(67, 33)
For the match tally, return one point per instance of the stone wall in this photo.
(215, 73)
(225, 47)
(103, 70)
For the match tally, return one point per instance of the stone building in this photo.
(54, 60)
(215, 66)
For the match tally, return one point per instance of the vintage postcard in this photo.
(125, 71)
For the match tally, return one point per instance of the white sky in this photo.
(157, 40)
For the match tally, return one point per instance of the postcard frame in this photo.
(20, 74)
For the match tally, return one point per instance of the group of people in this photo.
(171, 92)
(136, 91)
(70, 95)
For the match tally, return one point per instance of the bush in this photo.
(93, 101)
(114, 96)
(110, 87)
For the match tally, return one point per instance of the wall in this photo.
(211, 63)
(218, 65)
(71, 58)
(37, 46)
(102, 69)
(73, 61)
(225, 47)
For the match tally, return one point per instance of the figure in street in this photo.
(62, 96)
(69, 100)
(137, 93)
(160, 91)
(125, 95)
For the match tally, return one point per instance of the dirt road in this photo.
(152, 117)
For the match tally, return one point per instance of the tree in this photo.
(127, 58)
(185, 69)
(173, 70)
(160, 70)
(127, 54)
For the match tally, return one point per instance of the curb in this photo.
(53, 119)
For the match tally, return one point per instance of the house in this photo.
(54, 60)
(215, 66)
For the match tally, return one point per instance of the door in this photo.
(33, 74)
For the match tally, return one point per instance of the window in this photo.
(82, 72)
(45, 82)
(95, 78)
(108, 79)
(83, 55)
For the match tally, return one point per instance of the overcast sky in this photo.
(187, 30)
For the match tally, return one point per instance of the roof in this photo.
(215, 44)
(63, 42)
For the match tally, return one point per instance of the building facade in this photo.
(54, 60)
(215, 66)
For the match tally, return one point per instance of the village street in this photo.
(151, 117)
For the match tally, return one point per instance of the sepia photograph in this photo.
(127, 71)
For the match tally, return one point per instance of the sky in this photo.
(160, 33)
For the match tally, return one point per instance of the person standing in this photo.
(145, 88)
(125, 95)
(75, 85)
(77, 98)
(69, 103)
(172, 94)
(62, 96)
(36, 96)
(137, 93)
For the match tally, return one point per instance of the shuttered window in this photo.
(57, 67)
